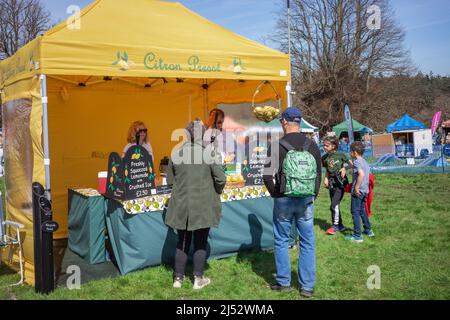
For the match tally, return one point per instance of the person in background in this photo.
(360, 190)
(226, 148)
(288, 210)
(335, 180)
(138, 129)
(194, 206)
(216, 119)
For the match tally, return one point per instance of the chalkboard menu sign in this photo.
(253, 165)
(131, 177)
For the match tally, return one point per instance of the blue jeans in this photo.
(358, 213)
(285, 212)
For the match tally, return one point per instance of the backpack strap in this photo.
(307, 144)
(287, 145)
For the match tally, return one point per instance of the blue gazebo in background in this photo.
(405, 123)
(411, 137)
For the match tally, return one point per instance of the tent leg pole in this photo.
(205, 98)
(289, 94)
(43, 79)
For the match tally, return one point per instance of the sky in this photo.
(425, 22)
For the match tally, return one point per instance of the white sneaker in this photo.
(177, 282)
(201, 282)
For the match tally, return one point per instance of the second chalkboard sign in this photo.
(253, 165)
(131, 177)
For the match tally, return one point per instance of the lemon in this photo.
(258, 109)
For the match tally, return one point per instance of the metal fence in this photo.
(402, 160)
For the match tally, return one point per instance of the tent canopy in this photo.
(152, 61)
(405, 123)
(148, 39)
(305, 126)
(357, 127)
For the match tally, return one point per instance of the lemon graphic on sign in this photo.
(123, 62)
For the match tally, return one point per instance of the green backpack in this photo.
(299, 170)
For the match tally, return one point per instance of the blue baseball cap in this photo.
(292, 114)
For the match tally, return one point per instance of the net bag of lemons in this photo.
(266, 113)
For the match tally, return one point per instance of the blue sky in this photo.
(426, 23)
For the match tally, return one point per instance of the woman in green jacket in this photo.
(194, 207)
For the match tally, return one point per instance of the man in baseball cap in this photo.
(292, 114)
(290, 210)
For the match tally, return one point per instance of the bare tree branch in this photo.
(20, 22)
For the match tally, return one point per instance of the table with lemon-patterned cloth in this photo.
(139, 237)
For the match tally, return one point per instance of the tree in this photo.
(336, 54)
(20, 22)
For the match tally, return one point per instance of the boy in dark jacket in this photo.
(335, 180)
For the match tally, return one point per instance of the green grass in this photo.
(412, 248)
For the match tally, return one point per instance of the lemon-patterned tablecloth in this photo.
(159, 202)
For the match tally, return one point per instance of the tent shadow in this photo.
(59, 251)
(6, 270)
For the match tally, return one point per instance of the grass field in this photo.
(412, 249)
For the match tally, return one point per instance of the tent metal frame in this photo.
(44, 97)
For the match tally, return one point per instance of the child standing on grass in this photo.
(335, 180)
(360, 190)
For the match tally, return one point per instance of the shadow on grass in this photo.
(6, 271)
(323, 225)
(262, 262)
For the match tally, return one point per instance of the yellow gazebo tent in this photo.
(69, 96)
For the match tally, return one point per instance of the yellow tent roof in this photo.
(147, 38)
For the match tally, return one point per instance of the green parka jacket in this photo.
(195, 200)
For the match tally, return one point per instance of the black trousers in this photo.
(184, 242)
(336, 195)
